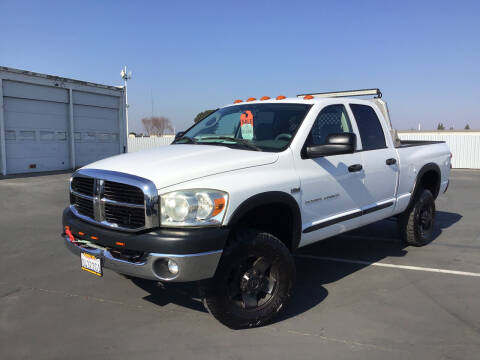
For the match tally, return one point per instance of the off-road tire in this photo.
(414, 226)
(217, 293)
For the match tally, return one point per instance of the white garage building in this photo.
(53, 123)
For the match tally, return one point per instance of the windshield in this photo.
(260, 127)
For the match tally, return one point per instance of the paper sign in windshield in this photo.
(246, 125)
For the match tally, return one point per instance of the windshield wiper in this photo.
(243, 142)
(190, 139)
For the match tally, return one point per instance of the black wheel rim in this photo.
(254, 283)
(426, 218)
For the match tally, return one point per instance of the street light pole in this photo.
(126, 76)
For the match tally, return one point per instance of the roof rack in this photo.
(376, 92)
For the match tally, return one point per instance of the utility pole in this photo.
(126, 76)
(151, 97)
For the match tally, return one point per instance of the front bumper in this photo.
(196, 251)
(192, 266)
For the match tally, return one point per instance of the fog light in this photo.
(172, 266)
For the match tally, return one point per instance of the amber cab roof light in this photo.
(251, 99)
(237, 101)
(308, 97)
(265, 98)
(281, 97)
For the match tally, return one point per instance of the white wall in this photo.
(141, 143)
(464, 145)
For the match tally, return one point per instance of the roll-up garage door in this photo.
(36, 127)
(96, 126)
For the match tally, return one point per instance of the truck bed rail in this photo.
(410, 143)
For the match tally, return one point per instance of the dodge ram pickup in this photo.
(234, 196)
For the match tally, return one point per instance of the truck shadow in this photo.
(369, 244)
(162, 294)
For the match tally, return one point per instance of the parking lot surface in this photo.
(360, 295)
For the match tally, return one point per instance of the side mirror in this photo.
(179, 135)
(336, 144)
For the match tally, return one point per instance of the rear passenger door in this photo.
(379, 161)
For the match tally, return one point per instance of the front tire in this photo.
(253, 283)
(416, 224)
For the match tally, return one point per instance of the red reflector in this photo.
(120, 243)
(93, 237)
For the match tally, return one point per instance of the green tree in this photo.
(467, 127)
(440, 126)
(202, 115)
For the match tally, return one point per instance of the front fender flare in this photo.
(268, 198)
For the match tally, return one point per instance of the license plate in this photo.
(91, 264)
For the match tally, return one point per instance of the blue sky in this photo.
(192, 56)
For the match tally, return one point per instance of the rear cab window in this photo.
(369, 127)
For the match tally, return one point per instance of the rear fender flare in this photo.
(427, 167)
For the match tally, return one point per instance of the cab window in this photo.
(333, 119)
(369, 126)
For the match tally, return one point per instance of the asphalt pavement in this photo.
(360, 295)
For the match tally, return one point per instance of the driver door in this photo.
(333, 187)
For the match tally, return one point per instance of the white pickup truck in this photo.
(237, 193)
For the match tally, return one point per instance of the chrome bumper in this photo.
(192, 266)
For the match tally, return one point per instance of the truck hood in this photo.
(174, 164)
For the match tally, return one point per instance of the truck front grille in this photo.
(83, 185)
(83, 206)
(116, 200)
(123, 193)
(131, 218)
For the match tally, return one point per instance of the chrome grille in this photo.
(122, 192)
(125, 216)
(113, 199)
(83, 206)
(83, 185)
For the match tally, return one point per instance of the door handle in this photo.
(354, 168)
(391, 161)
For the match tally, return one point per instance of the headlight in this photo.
(194, 207)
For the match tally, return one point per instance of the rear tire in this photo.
(253, 283)
(416, 224)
